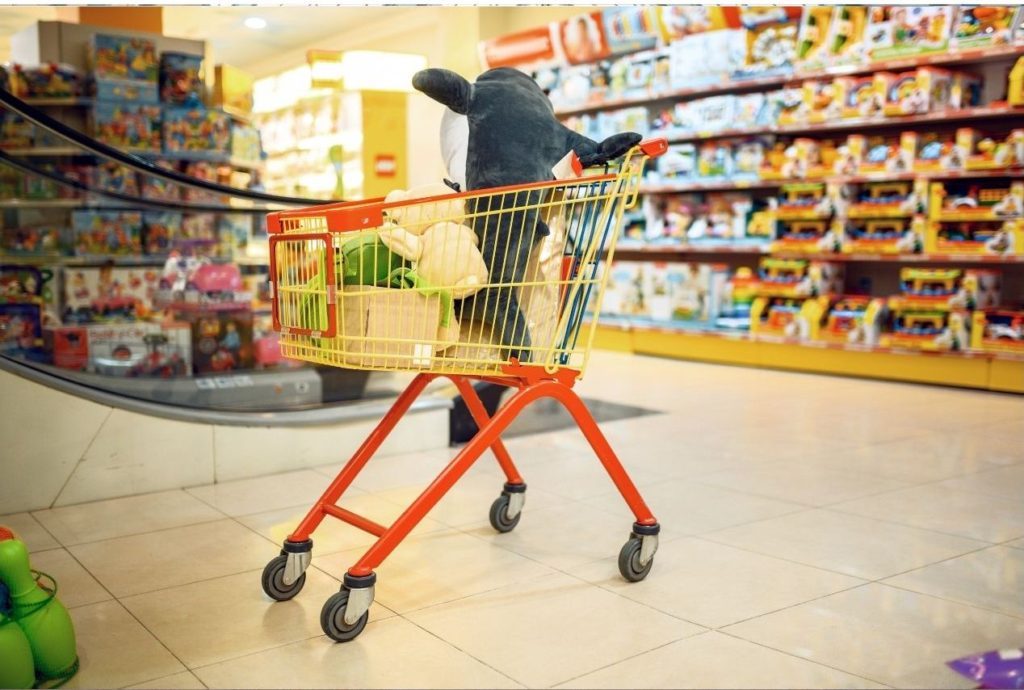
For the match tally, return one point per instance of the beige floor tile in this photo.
(114, 650)
(846, 543)
(1006, 482)
(714, 585)
(438, 567)
(714, 660)
(685, 507)
(1016, 543)
(75, 586)
(550, 630)
(262, 494)
(805, 482)
(409, 469)
(888, 635)
(120, 517)
(179, 681)
(951, 511)
(562, 537)
(391, 653)
(29, 531)
(148, 562)
(228, 617)
(992, 578)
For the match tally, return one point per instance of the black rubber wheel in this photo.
(499, 515)
(629, 561)
(273, 580)
(332, 619)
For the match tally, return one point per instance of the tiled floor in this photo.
(817, 532)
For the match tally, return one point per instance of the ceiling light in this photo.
(256, 23)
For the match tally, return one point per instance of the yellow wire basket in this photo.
(460, 284)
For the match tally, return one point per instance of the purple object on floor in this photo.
(1002, 668)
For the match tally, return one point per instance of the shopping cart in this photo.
(343, 297)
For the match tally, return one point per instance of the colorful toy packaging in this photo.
(32, 240)
(846, 44)
(197, 131)
(114, 177)
(700, 59)
(846, 319)
(15, 131)
(624, 292)
(139, 349)
(107, 232)
(896, 31)
(979, 26)
(159, 230)
(221, 340)
(812, 39)
(180, 80)
(69, 345)
(126, 91)
(771, 43)
(997, 330)
(245, 143)
(921, 91)
(108, 293)
(158, 188)
(21, 326)
(127, 125)
(49, 80)
(125, 69)
(232, 90)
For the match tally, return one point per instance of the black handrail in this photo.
(41, 119)
(138, 201)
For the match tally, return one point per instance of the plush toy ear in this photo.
(592, 153)
(445, 87)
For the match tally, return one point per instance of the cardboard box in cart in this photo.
(385, 327)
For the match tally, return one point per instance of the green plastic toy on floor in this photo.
(37, 639)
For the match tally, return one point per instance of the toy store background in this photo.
(809, 353)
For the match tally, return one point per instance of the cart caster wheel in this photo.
(332, 619)
(629, 561)
(500, 520)
(273, 580)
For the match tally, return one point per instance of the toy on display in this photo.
(898, 198)
(971, 200)
(221, 340)
(127, 125)
(48, 80)
(193, 280)
(16, 132)
(21, 325)
(102, 233)
(848, 320)
(159, 230)
(33, 240)
(123, 57)
(976, 237)
(1015, 85)
(141, 349)
(771, 50)
(701, 59)
(108, 293)
(158, 188)
(984, 25)
(812, 39)
(232, 90)
(738, 295)
(901, 235)
(896, 31)
(846, 44)
(624, 291)
(245, 143)
(921, 91)
(117, 178)
(973, 151)
(196, 130)
(997, 330)
(180, 80)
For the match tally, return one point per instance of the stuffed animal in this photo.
(513, 137)
(417, 217)
(445, 255)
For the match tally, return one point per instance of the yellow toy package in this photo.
(813, 36)
(846, 44)
(980, 26)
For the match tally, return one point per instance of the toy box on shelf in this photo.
(898, 31)
(737, 296)
(117, 178)
(159, 230)
(196, 131)
(917, 329)
(784, 317)
(998, 330)
(943, 289)
(245, 143)
(899, 234)
(188, 280)
(624, 292)
(36, 240)
(846, 44)
(221, 339)
(813, 36)
(921, 91)
(883, 153)
(969, 200)
(1003, 237)
(683, 291)
(798, 277)
(232, 90)
(847, 320)
(809, 236)
(983, 26)
(667, 217)
(125, 68)
(69, 346)
(108, 293)
(180, 78)
(159, 188)
(973, 151)
(771, 41)
(140, 349)
(894, 199)
(16, 132)
(730, 219)
(105, 233)
(48, 80)
(133, 126)
(701, 59)
(21, 326)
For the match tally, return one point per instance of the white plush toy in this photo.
(417, 217)
(445, 255)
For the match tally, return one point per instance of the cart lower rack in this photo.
(490, 285)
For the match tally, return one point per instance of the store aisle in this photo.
(817, 532)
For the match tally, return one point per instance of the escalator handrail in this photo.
(319, 416)
(41, 119)
(30, 169)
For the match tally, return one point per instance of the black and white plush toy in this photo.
(513, 137)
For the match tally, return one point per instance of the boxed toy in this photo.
(103, 233)
(737, 296)
(747, 160)
(126, 90)
(846, 44)
(921, 91)
(899, 235)
(848, 320)
(751, 111)
(203, 170)
(669, 216)
(235, 229)
(714, 161)
(159, 230)
(123, 57)
(139, 349)
(221, 340)
(723, 221)
(934, 331)
(108, 292)
(823, 100)
(48, 80)
(245, 143)
(127, 125)
(69, 345)
(985, 25)
(1003, 237)
(180, 79)
(15, 131)
(20, 326)
(895, 199)
(771, 50)
(232, 90)
(965, 91)
(159, 188)
(196, 130)
(799, 277)
(971, 200)
(117, 178)
(684, 291)
(812, 38)
(998, 330)
(860, 97)
(32, 240)
(896, 31)
(40, 188)
(624, 291)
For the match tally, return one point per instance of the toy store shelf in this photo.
(42, 203)
(908, 258)
(949, 115)
(739, 185)
(634, 248)
(66, 101)
(990, 54)
(965, 369)
(52, 260)
(48, 151)
(42, 151)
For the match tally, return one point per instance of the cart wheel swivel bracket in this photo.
(648, 536)
(516, 499)
(299, 554)
(360, 596)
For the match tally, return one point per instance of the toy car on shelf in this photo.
(898, 198)
(925, 330)
(884, 236)
(977, 237)
(810, 236)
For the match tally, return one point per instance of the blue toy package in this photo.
(21, 326)
(180, 80)
(235, 230)
(159, 188)
(105, 233)
(124, 57)
(128, 90)
(159, 230)
(127, 125)
(117, 178)
(197, 131)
